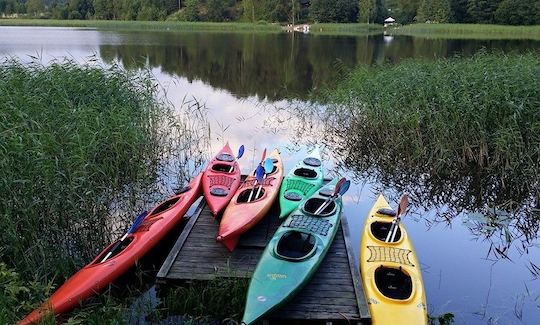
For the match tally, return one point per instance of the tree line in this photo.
(510, 12)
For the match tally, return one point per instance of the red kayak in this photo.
(97, 275)
(221, 179)
(248, 207)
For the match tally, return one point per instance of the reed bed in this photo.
(468, 31)
(345, 29)
(461, 134)
(84, 149)
(145, 25)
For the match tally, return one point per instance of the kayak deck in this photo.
(334, 294)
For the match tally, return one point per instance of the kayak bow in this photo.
(221, 179)
(301, 182)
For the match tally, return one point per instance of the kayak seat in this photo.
(313, 204)
(164, 206)
(393, 283)
(326, 192)
(182, 190)
(380, 230)
(313, 162)
(295, 245)
(225, 157)
(218, 191)
(305, 172)
(223, 168)
(116, 251)
(244, 195)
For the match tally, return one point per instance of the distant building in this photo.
(389, 22)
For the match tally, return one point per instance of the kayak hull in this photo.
(301, 182)
(401, 299)
(221, 180)
(97, 275)
(240, 215)
(281, 273)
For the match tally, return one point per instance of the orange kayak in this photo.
(97, 275)
(248, 207)
(221, 179)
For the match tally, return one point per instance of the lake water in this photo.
(254, 87)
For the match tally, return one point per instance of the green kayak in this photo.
(301, 182)
(293, 254)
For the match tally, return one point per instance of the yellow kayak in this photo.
(390, 271)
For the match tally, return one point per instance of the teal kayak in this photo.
(293, 254)
(301, 182)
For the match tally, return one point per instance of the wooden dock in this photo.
(334, 295)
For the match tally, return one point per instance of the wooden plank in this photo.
(169, 261)
(357, 284)
(326, 297)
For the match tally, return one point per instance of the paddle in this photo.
(138, 221)
(259, 173)
(403, 203)
(268, 167)
(240, 154)
(342, 186)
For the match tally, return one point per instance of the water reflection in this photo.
(278, 66)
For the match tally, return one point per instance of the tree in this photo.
(35, 7)
(482, 11)
(434, 11)
(249, 10)
(365, 10)
(216, 10)
(404, 11)
(192, 10)
(334, 11)
(458, 11)
(517, 12)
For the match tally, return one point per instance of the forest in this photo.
(506, 12)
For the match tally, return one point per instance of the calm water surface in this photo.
(255, 85)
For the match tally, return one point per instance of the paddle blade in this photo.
(345, 187)
(268, 165)
(263, 155)
(240, 152)
(137, 222)
(403, 204)
(338, 185)
(259, 174)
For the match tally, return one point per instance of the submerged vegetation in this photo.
(461, 134)
(84, 148)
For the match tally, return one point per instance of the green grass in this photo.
(468, 31)
(84, 149)
(345, 29)
(145, 25)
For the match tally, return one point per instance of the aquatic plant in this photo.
(84, 148)
(461, 134)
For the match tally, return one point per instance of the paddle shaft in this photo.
(115, 248)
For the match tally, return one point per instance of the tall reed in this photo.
(84, 148)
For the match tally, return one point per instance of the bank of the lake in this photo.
(467, 31)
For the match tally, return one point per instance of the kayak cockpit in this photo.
(250, 195)
(223, 168)
(113, 249)
(313, 204)
(295, 246)
(381, 229)
(164, 206)
(393, 283)
(305, 172)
